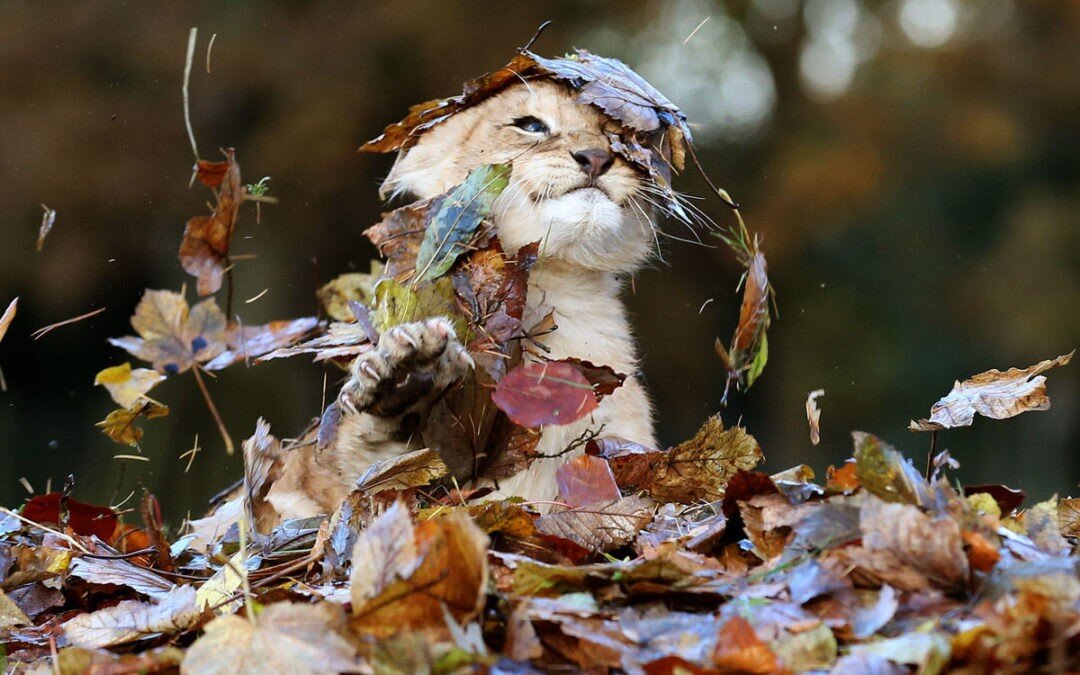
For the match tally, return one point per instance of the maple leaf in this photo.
(204, 251)
(174, 338)
(126, 386)
(992, 394)
(285, 637)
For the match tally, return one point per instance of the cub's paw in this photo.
(409, 369)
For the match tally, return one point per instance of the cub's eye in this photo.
(531, 125)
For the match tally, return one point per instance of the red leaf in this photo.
(539, 394)
(84, 519)
(586, 480)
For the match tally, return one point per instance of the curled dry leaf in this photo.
(411, 469)
(8, 316)
(886, 473)
(407, 586)
(252, 342)
(813, 415)
(992, 394)
(749, 351)
(126, 386)
(264, 462)
(285, 637)
(133, 619)
(172, 337)
(398, 237)
(204, 251)
(930, 546)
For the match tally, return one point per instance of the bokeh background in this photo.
(912, 166)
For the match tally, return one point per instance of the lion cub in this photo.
(587, 208)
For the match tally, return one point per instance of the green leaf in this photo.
(396, 304)
(760, 359)
(457, 218)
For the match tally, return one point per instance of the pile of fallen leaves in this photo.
(678, 560)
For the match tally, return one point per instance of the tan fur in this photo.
(590, 238)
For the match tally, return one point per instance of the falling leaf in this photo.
(134, 619)
(586, 480)
(455, 218)
(119, 425)
(126, 386)
(992, 394)
(251, 342)
(204, 251)
(174, 338)
(286, 637)
(539, 394)
(746, 358)
(8, 316)
(699, 469)
(48, 218)
(264, 464)
(813, 415)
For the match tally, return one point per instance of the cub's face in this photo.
(567, 190)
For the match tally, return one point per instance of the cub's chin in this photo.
(584, 227)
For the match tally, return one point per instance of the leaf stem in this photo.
(229, 448)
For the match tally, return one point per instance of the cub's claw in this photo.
(410, 368)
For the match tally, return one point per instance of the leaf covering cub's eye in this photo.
(531, 125)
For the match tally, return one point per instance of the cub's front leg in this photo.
(381, 407)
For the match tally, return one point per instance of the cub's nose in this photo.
(594, 161)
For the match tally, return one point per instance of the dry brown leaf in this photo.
(930, 546)
(10, 613)
(251, 342)
(264, 463)
(134, 619)
(204, 251)
(411, 469)
(992, 394)
(699, 469)
(740, 650)
(411, 585)
(813, 415)
(886, 473)
(121, 573)
(599, 527)
(284, 638)
(1069, 516)
(119, 425)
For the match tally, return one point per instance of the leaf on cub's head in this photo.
(539, 394)
(119, 425)
(126, 386)
(992, 394)
(204, 251)
(174, 338)
(455, 217)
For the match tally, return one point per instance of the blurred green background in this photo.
(912, 166)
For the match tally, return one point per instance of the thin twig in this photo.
(192, 35)
(42, 332)
(229, 448)
(208, 48)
